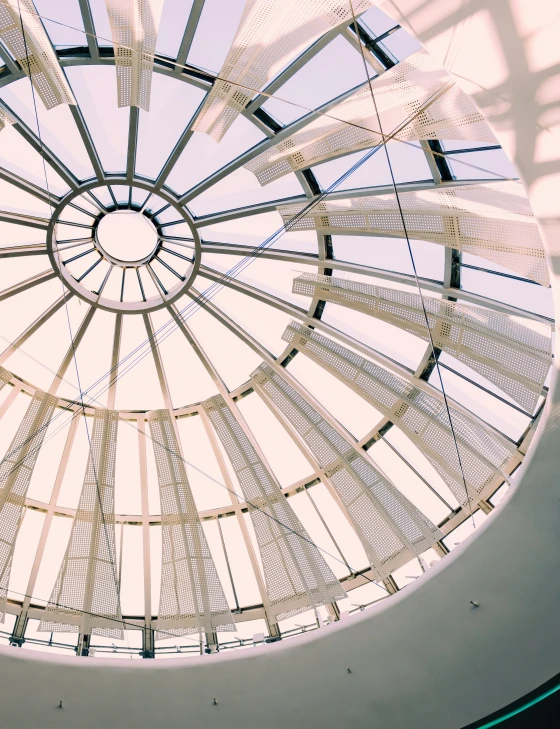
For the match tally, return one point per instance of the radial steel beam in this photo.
(31, 221)
(177, 151)
(133, 122)
(19, 182)
(34, 249)
(89, 28)
(88, 142)
(272, 205)
(29, 283)
(188, 35)
(39, 146)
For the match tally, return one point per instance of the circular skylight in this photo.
(258, 367)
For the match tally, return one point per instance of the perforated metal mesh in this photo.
(392, 530)
(16, 469)
(32, 49)
(422, 417)
(297, 577)
(85, 596)
(134, 27)
(516, 358)
(399, 94)
(269, 36)
(5, 377)
(5, 120)
(192, 599)
(492, 221)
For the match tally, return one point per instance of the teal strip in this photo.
(520, 709)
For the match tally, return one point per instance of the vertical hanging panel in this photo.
(30, 46)
(491, 220)
(269, 36)
(192, 599)
(86, 594)
(5, 120)
(5, 377)
(134, 27)
(352, 124)
(423, 418)
(16, 469)
(514, 357)
(297, 577)
(392, 530)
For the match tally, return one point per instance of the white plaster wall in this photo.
(426, 658)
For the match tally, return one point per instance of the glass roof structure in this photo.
(263, 358)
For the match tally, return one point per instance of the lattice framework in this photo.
(192, 599)
(296, 575)
(86, 595)
(400, 93)
(32, 49)
(16, 470)
(134, 28)
(269, 36)
(514, 357)
(424, 419)
(492, 221)
(392, 530)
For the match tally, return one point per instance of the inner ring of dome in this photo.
(126, 236)
(121, 273)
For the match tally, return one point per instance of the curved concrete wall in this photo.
(427, 658)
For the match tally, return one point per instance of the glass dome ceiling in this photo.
(259, 369)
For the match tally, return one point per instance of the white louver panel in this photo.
(192, 599)
(85, 596)
(492, 221)
(392, 530)
(269, 36)
(352, 124)
(5, 120)
(16, 469)
(423, 418)
(32, 49)
(514, 357)
(297, 577)
(5, 377)
(134, 27)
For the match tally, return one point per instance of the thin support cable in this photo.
(416, 278)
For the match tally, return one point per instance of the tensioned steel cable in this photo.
(165, 59)
(112, 556)
(424, 310)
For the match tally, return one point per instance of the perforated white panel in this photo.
(134, 27)
(269, 36)
(192, 599)
(5, 120)
(32, 49)
(399, 93)
(16, 469)
(516, 358)
(392, 530)
(85, 596)
(492, 221)
(5, 377)
(423, 418)
(297, 577)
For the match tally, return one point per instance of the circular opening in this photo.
(127, 236)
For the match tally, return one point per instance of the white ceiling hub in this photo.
(127, 236)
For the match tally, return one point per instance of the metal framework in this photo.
(296, 574)
(514, 357)
(134, 27)
(269, 37)
(406, 527)
(22, 32)
(352, 124)
(391, 529)
(492, 221)
(482, 452)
